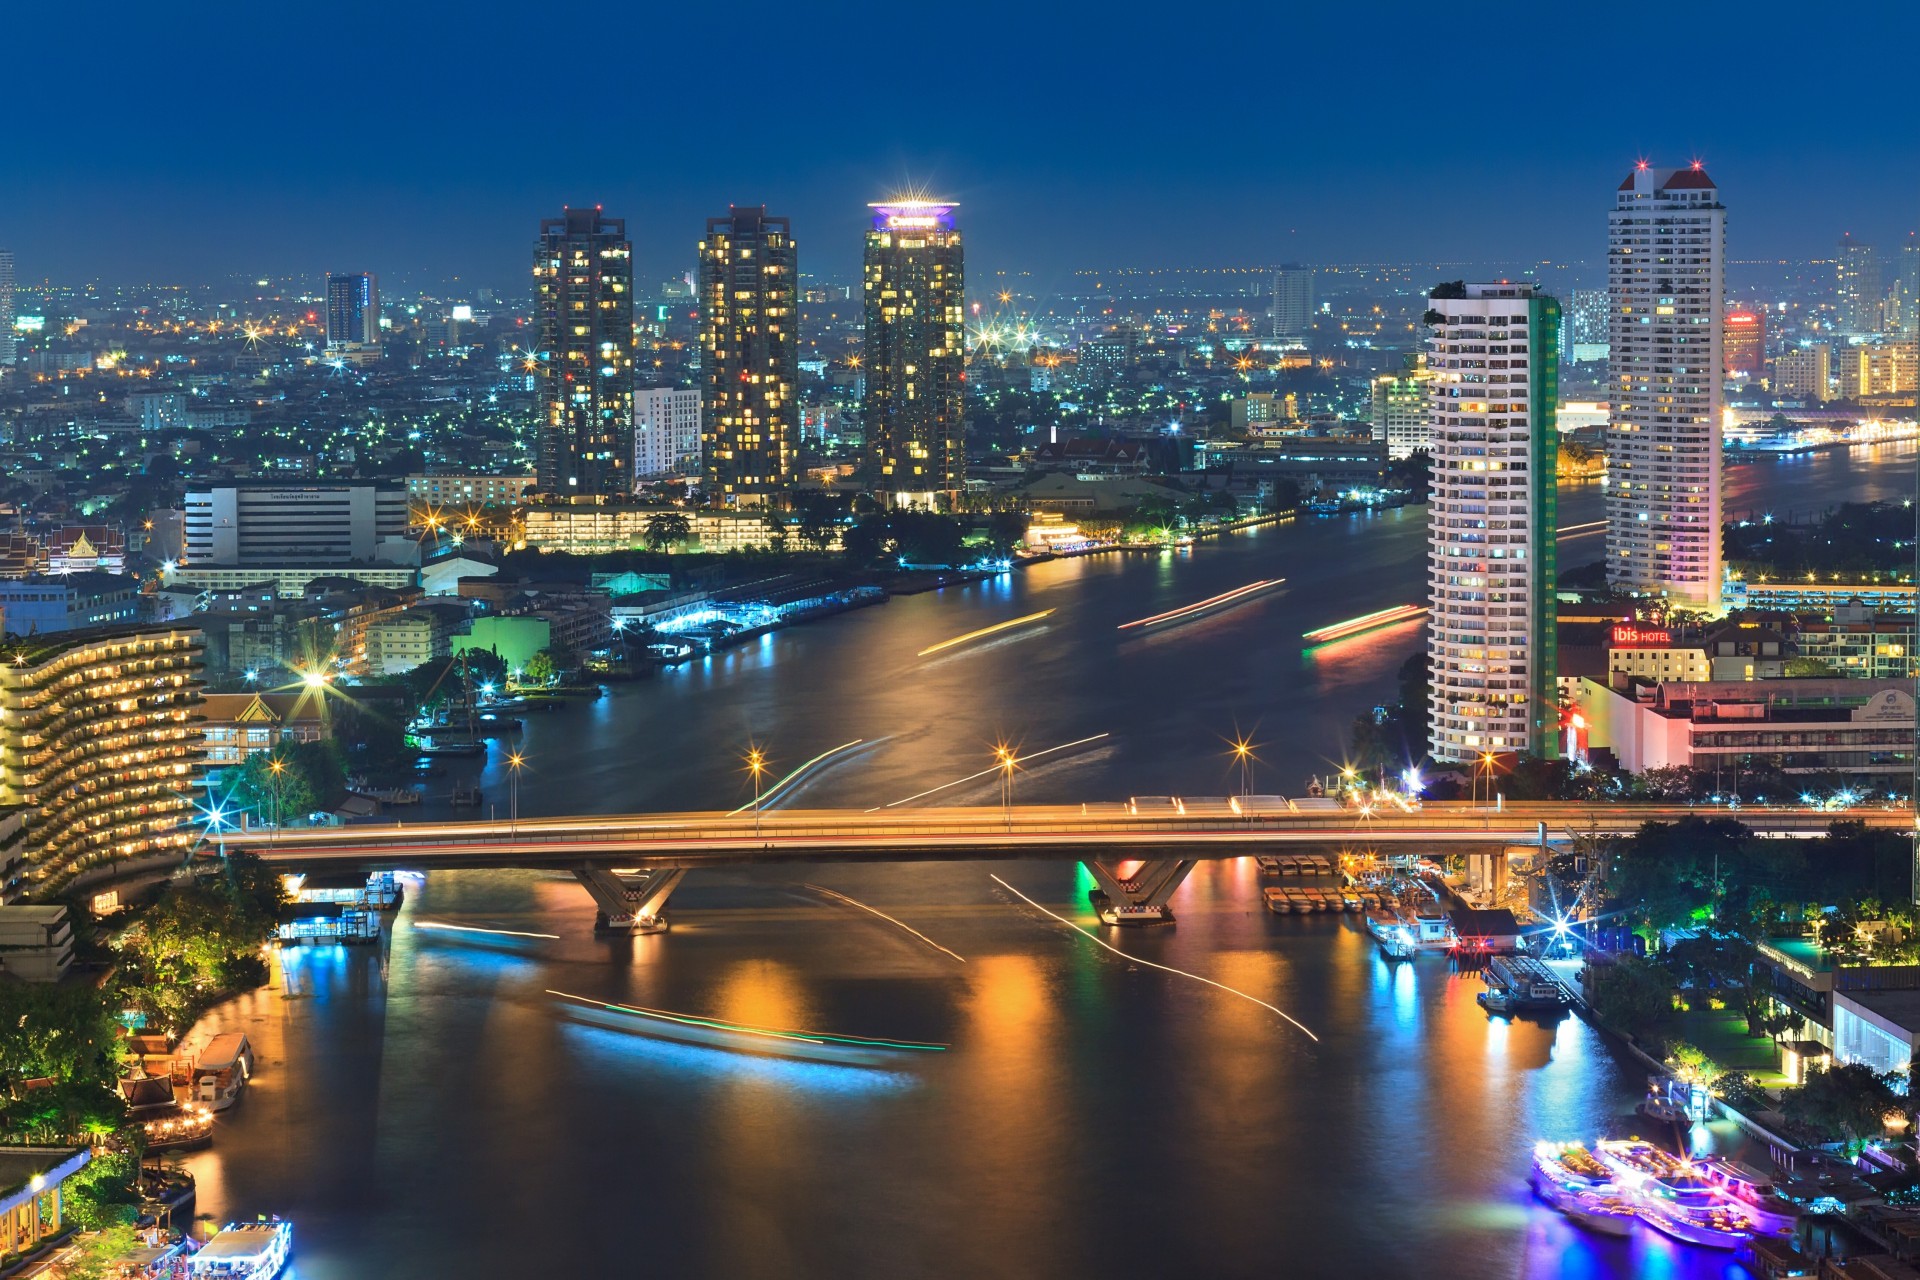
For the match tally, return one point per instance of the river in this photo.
(426, 1109)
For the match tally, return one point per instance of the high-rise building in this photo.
(583, 353)
(1903, 300)
(666, 432)
(1583, 338)
(1666, 282)
(1400, 409)
(1292, 308)
(1744, 347)
(749, 357)
(1804, 373)
(914, 411)
(1493, 388)
(353, 310)
(99, 746)
(8, 351)
(1859, 296)
(267, 524)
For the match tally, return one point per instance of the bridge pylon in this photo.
(630, 901)
(1134, 893)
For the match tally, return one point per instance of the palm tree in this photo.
(667, 528)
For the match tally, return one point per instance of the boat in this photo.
(431, 748)
(1601, 1212)
(740, 1037)
(1130, 914)
(1751, 1194)
(245, 1251)
(1496, 1000)
(1225, 599)
(1716, 1226)
(1527, 983)
(1673, 1195)
(1570, 1165)
(1278, 902)
(222, 1070)
(1658, 1107)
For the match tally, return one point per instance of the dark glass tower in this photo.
(583, 319)
(353, 310)
(915, 408)
(749, 357)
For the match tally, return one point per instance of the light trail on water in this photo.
(855, 902)
(773, 791)
(985, 631)
(435, 926)
(1077, 742)
(1212, 602)
(1153, 964)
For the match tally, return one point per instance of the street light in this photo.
(1483, 765)
(514, 761)
(276, 766)
(1008, 760)
(756, 765)
(1243, 752)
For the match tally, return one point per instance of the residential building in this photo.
(590, 529)
(1666, 284)
(749, 357)
(666, 433)
(1400, 409)
(399, 644)
(270, 524)
(236, 725)
(463, 492)
(1804, 373)
(1291, 311)
(1491, 638)
(1583, 340)
(36, 943)
(583, 321)
(42, 605)
(914, 413)
(8, 349)
(1859, 297)
(353, 311)
(1859, 642)
(98, 743)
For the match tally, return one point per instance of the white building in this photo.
(7, 347)
(1492, 361)
(298, 524)
(1667, 287)
(1400, 411)
(666, 432)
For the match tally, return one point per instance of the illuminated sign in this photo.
(911, 222)
(1635, 637)
(29, 324)
(463, 312)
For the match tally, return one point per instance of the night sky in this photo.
(424, 141)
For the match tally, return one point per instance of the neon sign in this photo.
(1634, 636)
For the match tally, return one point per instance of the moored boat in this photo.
(1751, 1194)
(244, 1251)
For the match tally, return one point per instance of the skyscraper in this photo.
(583, 350)
(749, 357)
(1859, 296)
(914, 412)
(353, 310)
(7, 349)
(1493, 388)
(1292, 307)
(1666, 280)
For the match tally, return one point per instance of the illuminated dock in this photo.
(1366, 622)
(1222, 601)
(985, 631)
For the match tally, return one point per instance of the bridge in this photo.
(1138, 853)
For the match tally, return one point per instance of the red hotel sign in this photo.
(1639, 638)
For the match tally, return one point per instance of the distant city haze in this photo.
(427, 142)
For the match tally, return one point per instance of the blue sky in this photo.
(182, 142)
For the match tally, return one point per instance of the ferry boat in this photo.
(1527, 983)
(222, 1070)
(1751, 1194)
(245, 1251)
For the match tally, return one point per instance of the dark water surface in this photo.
(428, 1109)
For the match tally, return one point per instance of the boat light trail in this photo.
(985, 631)
(1366, 622)
(1213, 602)
(741, 1028)
(1152, 964)
(855, 902)
(1588, 527)
(435, 926)
(1077, 742)
(775, 789)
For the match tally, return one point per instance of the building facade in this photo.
(8, 349)
(749, 357)
(1666, 284)
(353, 310)
(583, 366)
(71, 602)
(237, 725)
(1493, 361)
(666, 433)
(914, 413)
(278, 524)
(1400, 411)
(428, 492)
(98, 744)
(1291, 310)
(1859, 298)
(1804, 373)
(1744, 347)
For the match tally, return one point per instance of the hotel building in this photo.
(914, 413)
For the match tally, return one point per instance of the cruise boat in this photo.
(1570, 1165)
(1751, 1194)
(1716, 1226)
(245, 1251)
(1673, 1195)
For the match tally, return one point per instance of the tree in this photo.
(666, 529)
(97, 1256)
(540, 670)
(1847, 1102)
(1632, 996)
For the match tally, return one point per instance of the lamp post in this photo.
(1008, 759)
(1243, 752)
(514, 763)
(276, 767)
(756, 765)
(1483, 765)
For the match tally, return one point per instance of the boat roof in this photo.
(242, 1241)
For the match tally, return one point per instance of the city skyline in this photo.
(1325, 168)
